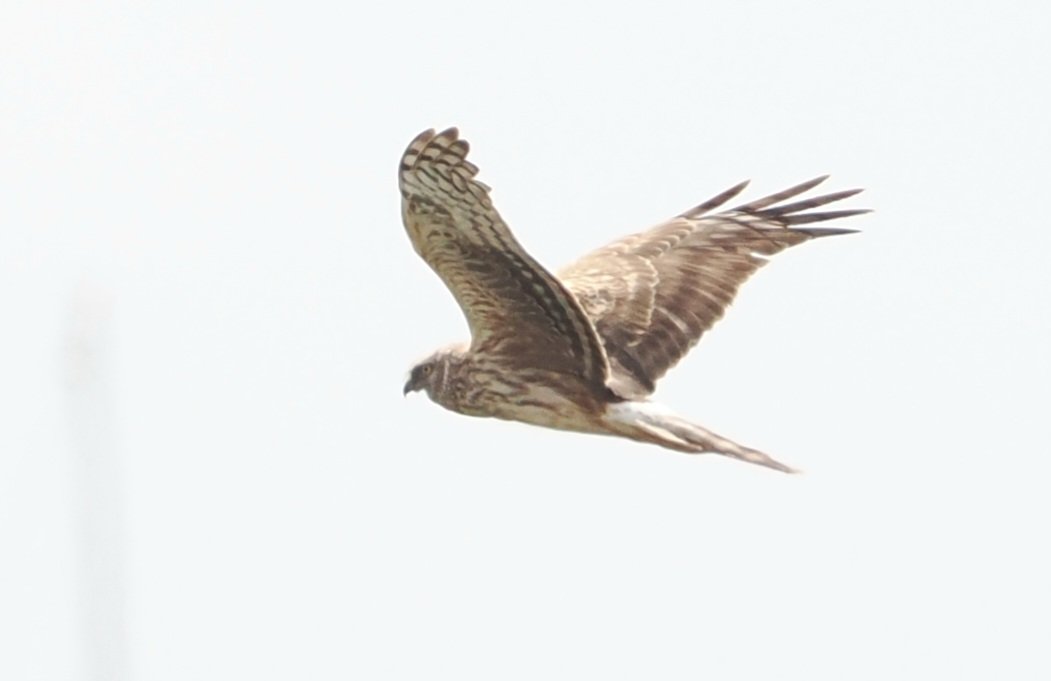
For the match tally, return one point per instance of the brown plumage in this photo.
(581, 351)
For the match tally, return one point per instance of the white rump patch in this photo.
(635, 412)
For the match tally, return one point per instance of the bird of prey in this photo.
(583, 349)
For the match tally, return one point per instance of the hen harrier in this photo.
(583, 350)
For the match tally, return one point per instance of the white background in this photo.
(207, 468)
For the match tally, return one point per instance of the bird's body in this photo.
(473, 384)
(583, 350)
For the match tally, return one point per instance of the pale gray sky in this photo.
(207, 468)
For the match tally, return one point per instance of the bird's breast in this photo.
(534, 396)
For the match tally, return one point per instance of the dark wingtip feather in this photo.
(807, 218)
(714, 202)
(768, 201)
(819, 232)
(806, 204)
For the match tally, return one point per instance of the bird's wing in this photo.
(515, 308)
(652, 295)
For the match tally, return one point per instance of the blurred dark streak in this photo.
(97, 485)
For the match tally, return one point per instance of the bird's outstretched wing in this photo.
(515, 308)
(652, 295)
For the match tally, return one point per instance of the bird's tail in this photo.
(649, 422)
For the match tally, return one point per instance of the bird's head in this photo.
(423, 376)
(430, 374)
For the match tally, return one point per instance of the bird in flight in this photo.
(582, 350)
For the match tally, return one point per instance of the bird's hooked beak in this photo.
(410, 386)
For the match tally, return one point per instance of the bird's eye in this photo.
(426, 369)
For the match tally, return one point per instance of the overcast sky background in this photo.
(207, 468)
